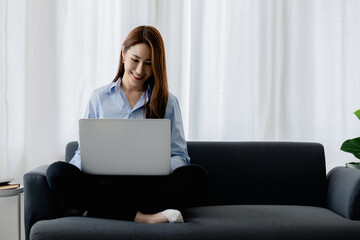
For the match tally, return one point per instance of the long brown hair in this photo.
(156, 106)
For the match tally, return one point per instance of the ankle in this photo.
(140, 217)
(150, 218)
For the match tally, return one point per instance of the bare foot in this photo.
(150, 218)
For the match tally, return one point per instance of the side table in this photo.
(15, 192)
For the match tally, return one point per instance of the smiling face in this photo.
(137, 66)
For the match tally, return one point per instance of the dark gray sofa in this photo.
(256, 190)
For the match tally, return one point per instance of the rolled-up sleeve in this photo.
(179, 154)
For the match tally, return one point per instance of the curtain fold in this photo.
(242, 70)
(12, 88)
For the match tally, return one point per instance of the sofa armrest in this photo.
(343, 192)
(39, 202)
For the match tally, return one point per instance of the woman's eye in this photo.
(135, 60)
(148, 63)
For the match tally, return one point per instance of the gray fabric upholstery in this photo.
(343, 195)
(39, 202)
(262, 172)
(214, 222)
(70, 149)
(257, 190)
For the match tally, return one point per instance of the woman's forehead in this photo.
(140, 50)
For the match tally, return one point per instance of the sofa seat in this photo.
(210, 222)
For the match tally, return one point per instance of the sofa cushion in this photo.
(213, 222)
(276, 173)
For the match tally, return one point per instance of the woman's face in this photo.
(137, 65)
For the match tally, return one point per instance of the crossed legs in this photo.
(133, 198)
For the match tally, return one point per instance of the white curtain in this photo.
(248, 70)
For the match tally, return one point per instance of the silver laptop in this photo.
(125, 146)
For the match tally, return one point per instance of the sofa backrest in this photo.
(70, 150)
(291, 173)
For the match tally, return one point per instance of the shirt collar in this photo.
(112, 86)
(117, 85)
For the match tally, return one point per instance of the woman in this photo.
(139, 90)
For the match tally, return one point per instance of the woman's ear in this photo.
(123, 53)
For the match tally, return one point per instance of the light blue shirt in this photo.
(110, 101)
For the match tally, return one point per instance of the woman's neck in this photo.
(133, 94)
(128, 88)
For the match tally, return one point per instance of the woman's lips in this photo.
(137, 77)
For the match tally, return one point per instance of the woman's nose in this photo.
(140, 68)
